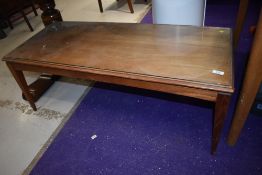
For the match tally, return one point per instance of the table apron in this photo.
(204, 94)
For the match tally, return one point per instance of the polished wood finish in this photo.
(208, 95)
(166, 58)
(163, 53)
(241, 15)
(50, 14)
(252, 81)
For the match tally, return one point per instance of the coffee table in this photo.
(183, 60)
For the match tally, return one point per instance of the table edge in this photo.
(128, 75)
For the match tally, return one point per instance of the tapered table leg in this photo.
(20, 79)
(100, 6)
(34, 9)
(27, 21)
(253, 78)
(130, 6)
(220, 113)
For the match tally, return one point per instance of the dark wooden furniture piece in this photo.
(241, 15)
(49, 16)
(10, 7)
(129, 2)
(183, 60)
(252, 81)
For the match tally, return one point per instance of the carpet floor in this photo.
(120, 130)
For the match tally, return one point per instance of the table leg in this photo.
(130, 6)
(220, 113)
(100, 6)
(20, 79)
(26, 20)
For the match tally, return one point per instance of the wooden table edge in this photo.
(30, 65)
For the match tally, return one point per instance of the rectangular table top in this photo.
(198, 57)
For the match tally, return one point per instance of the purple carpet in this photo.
(145, 132)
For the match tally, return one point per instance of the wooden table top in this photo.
(179, 55)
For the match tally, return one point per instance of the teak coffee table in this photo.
(183, 60)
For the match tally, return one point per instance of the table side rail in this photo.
(209, 95)
(128, 75)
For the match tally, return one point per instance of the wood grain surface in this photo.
(180, 55)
